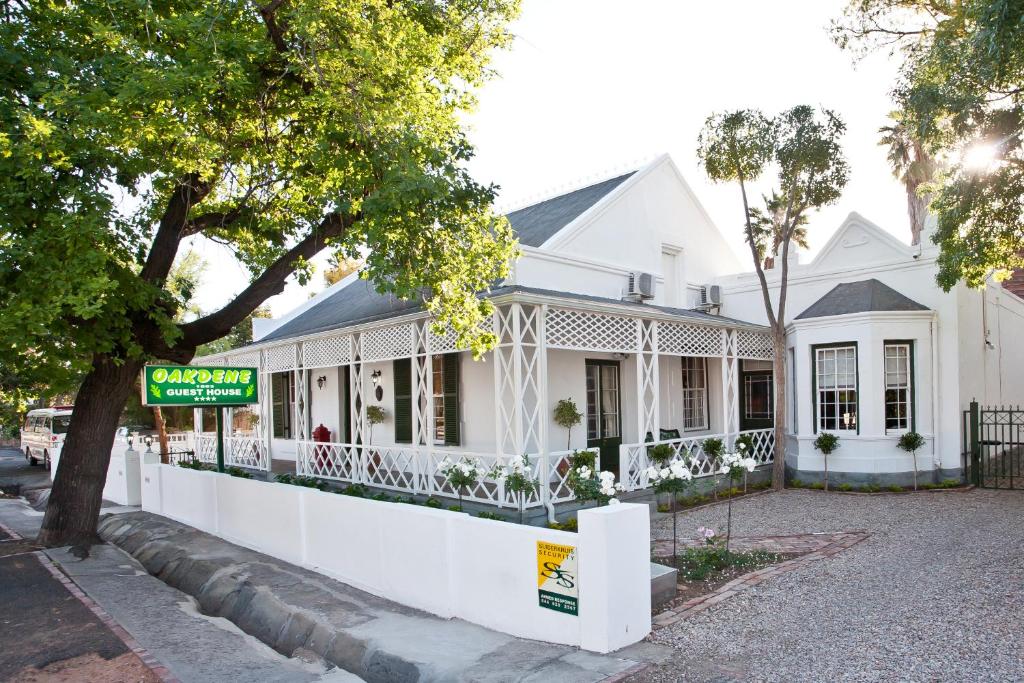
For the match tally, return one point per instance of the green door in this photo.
(756, 400)
(604, 420)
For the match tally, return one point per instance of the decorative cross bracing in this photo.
(520, 379)
(422, 384)
(730, 386)
(301, 380)
(585, 331)
(647, 386)
(754, 345)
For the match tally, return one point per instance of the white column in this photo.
(647, 389)
(730, 387)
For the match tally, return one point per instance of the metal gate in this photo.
(993, 446)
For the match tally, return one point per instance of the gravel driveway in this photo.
(935, 594)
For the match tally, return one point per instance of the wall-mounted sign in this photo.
(191, 385)
(557, 577)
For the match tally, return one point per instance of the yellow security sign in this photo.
(557, 577)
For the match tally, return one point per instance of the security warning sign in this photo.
(557, 577)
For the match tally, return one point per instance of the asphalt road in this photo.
(16, 472)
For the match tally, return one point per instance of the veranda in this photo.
(642, 375)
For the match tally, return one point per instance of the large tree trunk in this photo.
(779, 380)
(917, 210)
(74, 506)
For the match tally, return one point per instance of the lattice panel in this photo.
(246, 451)
(391, 468)
(754, 345)
(647, 382)
(518, 379)
(730, 383)
(328, 461)
(681, 339)
(386, 343)
(568, 329)
(441, 343)
(279, 358)
(326, 352)
(250, 359)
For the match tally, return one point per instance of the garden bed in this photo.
(944, 485)
(705, 570)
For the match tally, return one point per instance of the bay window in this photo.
(898, 387)
(835, 387)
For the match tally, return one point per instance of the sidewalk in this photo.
(162, 621)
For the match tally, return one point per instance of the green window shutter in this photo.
(278, 390)
(402, 371)
(451, 399)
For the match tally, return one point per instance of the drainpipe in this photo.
(934, 332)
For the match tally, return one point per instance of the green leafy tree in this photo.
(802, 147)
(960, 94)
(277, 129)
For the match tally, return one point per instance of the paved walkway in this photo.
(934, 593)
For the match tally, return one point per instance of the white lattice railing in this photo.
(245, 451)
(205, 447)
(691, 449)
(417, 471)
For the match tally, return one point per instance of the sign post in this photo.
(200, 386)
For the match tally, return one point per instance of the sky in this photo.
(592, 88)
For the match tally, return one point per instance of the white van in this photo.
(44, 432)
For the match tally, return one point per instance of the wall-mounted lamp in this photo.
(379, 391)
(321, 381)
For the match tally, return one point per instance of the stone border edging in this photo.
(151, 662)
(843, 540)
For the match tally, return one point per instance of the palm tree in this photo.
(913, 166)
(767, 230)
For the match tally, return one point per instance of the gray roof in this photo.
(862, 296)
(358, 303)
(536, 224)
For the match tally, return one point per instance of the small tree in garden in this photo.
(713, 449)
(661, 454)
(734, 466)
(910, 442)
(826, 443)
(567, 415)
(463, 474)
(672, 480)
(518, 481)
(745, 444)
(374, 416)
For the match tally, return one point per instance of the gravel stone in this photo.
(936, 593)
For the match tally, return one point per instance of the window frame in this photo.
(706, 424)
(911, 386)
(815, 394)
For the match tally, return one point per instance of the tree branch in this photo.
(269, 283)
(750, 242)
(189, 192)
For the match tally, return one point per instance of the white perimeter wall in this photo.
(446, 563)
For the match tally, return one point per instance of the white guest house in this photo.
(628, 301)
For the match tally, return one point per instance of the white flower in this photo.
(742, 446)
(613, 501)
(652, 472)
(724, 469)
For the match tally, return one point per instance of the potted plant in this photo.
(567, 415)
(910, 442)
(374, 416)
(518, 481)
(826, 443)
(734, 466)
(671, 480)
(661, 455)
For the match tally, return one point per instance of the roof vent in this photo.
(641, 287)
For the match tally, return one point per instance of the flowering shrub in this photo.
(670, 479)
(518, 481)
(733, 465)
(707, 534)
(588, 484)
(464, 474)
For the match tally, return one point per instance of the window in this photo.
(898, 387)
(61, 424)
(445, 371)
(282, 397)
(757, 396)
(836, 387)
(792, 391)
(695, 393)
(602, 400)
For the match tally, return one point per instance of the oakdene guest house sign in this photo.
(192, 385)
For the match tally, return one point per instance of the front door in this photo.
(604, 422)
(756, 403)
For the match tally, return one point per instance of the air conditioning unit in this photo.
(641, 286)
(710, 297)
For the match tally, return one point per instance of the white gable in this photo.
(859, 242)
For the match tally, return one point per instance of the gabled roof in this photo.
(862, 296)
(537, 223)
